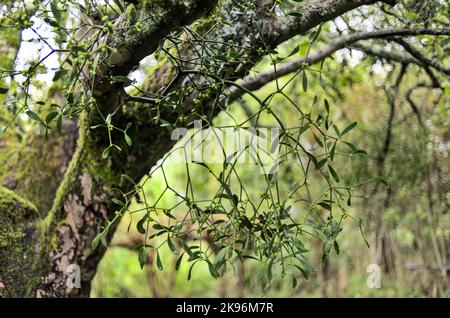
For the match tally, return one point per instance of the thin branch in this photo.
(391, 94)
(140, 99)
(413, 104)
(379, 52)
(423, 59)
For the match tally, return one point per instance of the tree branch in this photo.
(424, 61)
(255, 82)
(379, 52)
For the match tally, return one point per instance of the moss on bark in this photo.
(17, 261)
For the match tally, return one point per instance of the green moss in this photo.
(36, 160)
(25, 163)
(17, 261)
(69, 182)
(87, 158)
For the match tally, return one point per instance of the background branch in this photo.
(255, 82)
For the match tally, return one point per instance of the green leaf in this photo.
(351, 146)
(336, 130)
(140, 225)
(336, 247)
(33, 115)
(304, 272)
(362, 232)
(295, 14)
(321, 163)
(104, 241)
(220, 258)
(118, 202)
(142, 257)
(127, 139)
(201, 164)
(319, 142)
(178, 263)
(304, 81)
(52, 22)
(122, 79)
(442, 19)
(361, 151)
(59, 123)
(96, 241)
(322, 82)
(313, 159)
(165, 123)
(212, 270)
(349, 128)
(326, 250)
(186, 247)
(158, 262)
(172, 246)
(333, 173)
(190, 271)
(295, 50)
(294, 282)
(327, 105)
(105, 153)
(333, 151)
(325, 205)
(55, 11)
(50, 117)
(158, 227)
(3, 90)
(59, 74)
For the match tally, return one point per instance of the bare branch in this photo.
(379, 52)
(391, 94)
(411, 101)
(423, 59)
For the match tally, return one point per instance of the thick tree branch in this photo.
(311, 14)
(132, 47)
(255, 82)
